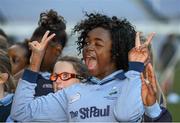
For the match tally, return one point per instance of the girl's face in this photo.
(17, 58)
(64, 69)
(53, 51)
(97, 53)
(50, 57)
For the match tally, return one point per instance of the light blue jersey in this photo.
(115, 98)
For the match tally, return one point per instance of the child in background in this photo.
(7, 86)
(68, 70)
(19, 55)
(52, 21)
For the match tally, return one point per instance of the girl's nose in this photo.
(58, 80)
(89, 47)
(59, 84)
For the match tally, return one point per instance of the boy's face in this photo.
(97, 53)
(60, 68)
(17, 58)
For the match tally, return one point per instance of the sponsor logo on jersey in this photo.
(112, 94)
(47, 86)
(113, 91)
(75, 97)
(90, 112)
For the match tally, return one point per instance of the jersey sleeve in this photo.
(26, 107)
(129, 106)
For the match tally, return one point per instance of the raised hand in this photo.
(38, 51)
(40, 47)
(140, 52)
(149, 86)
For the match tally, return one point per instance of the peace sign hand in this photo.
(38, 51)
(40, 47)
(140, 52)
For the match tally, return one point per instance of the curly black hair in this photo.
(50, 20)
(121, 31)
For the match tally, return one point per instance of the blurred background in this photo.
(19, 18)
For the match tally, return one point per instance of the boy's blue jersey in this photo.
(115, 98)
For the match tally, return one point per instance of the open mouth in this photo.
(91, 62)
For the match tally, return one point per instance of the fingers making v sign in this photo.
(38, 50)
(140, 52)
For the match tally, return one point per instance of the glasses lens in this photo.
(65, 76)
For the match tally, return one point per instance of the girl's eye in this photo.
(15, 60)
(100, 45)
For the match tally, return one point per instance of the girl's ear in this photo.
(3, 77)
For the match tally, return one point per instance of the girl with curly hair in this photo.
(49, 20)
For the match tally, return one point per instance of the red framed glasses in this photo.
(64, 76)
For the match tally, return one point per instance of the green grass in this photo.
(175, 108)
(175, 111)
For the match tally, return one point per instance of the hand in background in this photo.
(149, 86)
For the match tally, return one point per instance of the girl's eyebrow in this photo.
(97, 39)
